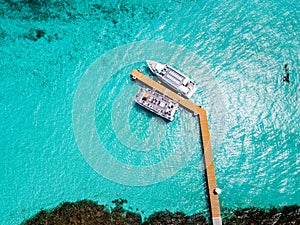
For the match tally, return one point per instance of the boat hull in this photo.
(173, 78)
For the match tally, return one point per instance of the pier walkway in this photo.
(205, 137)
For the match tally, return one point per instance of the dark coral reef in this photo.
(90, 213)
(67, 10)
(286, 215)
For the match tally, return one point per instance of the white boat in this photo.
(173, 78)
(156, 103)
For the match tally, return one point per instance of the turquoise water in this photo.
(70, 130)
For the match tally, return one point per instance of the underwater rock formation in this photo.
(277, 216)
(82, 212)
(35, 34)
(89, 212)
(43, 10)
(177, 218)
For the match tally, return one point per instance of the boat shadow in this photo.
(149, 114)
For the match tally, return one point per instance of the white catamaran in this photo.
(156, 103)
(172, 77)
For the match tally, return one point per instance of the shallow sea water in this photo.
(70, 129)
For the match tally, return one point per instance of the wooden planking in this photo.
(205, 137)
(210, 169)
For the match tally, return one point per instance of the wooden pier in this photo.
(205, 137)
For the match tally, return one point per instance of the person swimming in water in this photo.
(286, 77)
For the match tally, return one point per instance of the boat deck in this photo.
(205, 137)
(156, 103)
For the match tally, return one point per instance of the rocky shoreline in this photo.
(90, 213)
